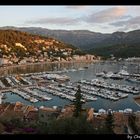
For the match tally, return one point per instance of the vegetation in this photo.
(70, 125)
(109, 124)
(121, 44)
(80, 52)
(63, 125)
(78, 102)
(123, 51)
(132, 123)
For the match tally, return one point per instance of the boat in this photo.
(116, 77)
(110, 75)
(73, 70)
(100, 74)
(123, 72)
(3, 96)
(81, 68)
(86, 67)
(33, 100)
(133, 80)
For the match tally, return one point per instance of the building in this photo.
(90, 114)
(102, 111)
(46, 113)
(3, 61)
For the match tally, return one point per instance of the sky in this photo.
(104, 19)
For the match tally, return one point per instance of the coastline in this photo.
(55, 62)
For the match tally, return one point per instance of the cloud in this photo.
(57, 21)
(126, 17)
(106, 15)
(131, 23)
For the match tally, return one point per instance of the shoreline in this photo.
(56, 62)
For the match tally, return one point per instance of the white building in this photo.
(128, 111)
(3, 61)
(102, 111)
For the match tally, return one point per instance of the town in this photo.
(36, 87)
(36, 49)
(33, 116)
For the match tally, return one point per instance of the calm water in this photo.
(78, 75)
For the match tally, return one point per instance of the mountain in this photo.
(115, 43)
(82, 39)
(120, 44)
(121, 51)
(22, 44)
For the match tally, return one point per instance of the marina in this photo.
(111, 86)
(58, 86)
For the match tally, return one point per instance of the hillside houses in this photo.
(29, 114)
(20, 48)
(85, 57)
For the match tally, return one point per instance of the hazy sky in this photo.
(105, 19)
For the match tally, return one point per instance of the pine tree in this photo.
(78, 102)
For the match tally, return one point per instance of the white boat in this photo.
(100, 74)
(73, 70)
(81, 68)
(135, 80)
(109, 74)
(33, 100)
(123, 72)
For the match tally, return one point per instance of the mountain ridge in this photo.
(92, 42)
(83, 39)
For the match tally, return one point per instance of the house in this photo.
(67, 111)
(4, 61)
(32, 115)
(65, 53)
(128, 111)
(46, 113)
(18, 106)
(102, 111)
(90, 114)
(23, 61)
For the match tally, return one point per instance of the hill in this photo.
(82, 39)
(22, 44)
(121, 44)
(119, 51)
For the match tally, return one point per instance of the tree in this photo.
(70, 125)
(132, 123)
(109, 124)
(78, 102)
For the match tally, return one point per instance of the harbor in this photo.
(58, 86)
